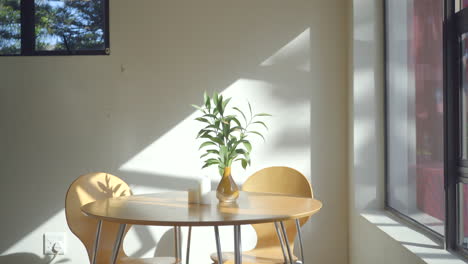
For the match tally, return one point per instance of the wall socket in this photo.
(54, 243)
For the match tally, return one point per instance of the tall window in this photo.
(54, 27)
(427, 116)
(458, 142)
(415, 160)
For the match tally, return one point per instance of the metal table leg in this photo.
(96, 241)
(237, 245)
(189, 238)
(285, 235)
(177, 246)
(299, 234)
(118, 243)
(281, 240)
(218, 245)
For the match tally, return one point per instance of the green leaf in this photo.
(201, 132)
(208, 143)
(216, 124)
(234, 129)
(210, 115)
(232, 140)
(225, 102)
(247, 157)
(244, 163)
(217, 140)
(204, 155)
(212, 151)
(208, 164)
(207, 100)
(257, 133)
(240, 151)
(233, 156)
(211, 128)
(223, 153)
(197, 107)
(247, 145)
(215, 99)
(214, 161)
(262, 114)
(261, 123)
(201, 119)
(250, 108)
(206, 135)
(219, 105)
(226, 129)
(237, 122)
(238, 110)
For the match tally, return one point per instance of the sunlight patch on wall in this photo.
(176, 155)
(296, 53)
(364, 96)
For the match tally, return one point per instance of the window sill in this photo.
(416, 242)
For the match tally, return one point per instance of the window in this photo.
(414, 94)
(54, 27)
(427, 116)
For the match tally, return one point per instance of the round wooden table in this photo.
(173, 209)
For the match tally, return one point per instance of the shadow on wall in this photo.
(367, 111)
(28, 258)
(166, 245)
(99, 117)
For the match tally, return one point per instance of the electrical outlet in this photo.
(54, 243)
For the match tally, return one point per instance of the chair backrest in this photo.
(281, 180)
(85, 189)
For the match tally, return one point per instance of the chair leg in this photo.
(218, 245)
(96, 241)
(286, 240)
(299, 234)
(281, 240)
(189, 238)
(118, 243)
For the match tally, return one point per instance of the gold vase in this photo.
(227, 191)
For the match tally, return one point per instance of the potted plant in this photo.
(226, 140)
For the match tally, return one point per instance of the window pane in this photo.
(463, 216)
(10, 27)
(464, 97)
(69, 25)
(415, 110)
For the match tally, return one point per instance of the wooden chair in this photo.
(88, 188)
(281, 180)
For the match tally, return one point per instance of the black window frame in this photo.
(455, 23)
(28, 38)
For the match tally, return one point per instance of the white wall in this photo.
(367, 143)
(129, 114)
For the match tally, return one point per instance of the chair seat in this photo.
(269, 255)
(157, 260)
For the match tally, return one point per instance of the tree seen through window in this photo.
(65, 26)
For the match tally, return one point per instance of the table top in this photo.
(173, 209)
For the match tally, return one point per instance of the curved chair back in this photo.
(85, 189)
(281, 180)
